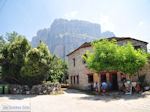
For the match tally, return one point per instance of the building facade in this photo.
(81, 77)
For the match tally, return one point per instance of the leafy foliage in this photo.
(25, 65)
(2, 42)
(58, 71)
(148, 55)
(109, 56)
(132, 60)
(36, 67)
(13, 55)
(10, 37)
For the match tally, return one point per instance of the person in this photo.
(109, 85)
(104, 86)
(128, 86)
(96, 86)
(138, 88)
(123, 78)
(123, 88)
(91, 86)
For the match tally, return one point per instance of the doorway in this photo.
(103, 77)
(114, 81)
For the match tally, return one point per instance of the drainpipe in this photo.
(138, 75)
(99, 82)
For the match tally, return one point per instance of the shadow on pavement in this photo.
(107, 96)
(18, 97)
(75, 91)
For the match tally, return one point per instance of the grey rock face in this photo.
(107, 34)
(41, 35)
(61, 26)
(64, 36)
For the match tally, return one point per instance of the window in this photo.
(74, 77)
(74, 62)
(137, 47)
(83, 60)
(103, 77)
(77, 79)
(90, 78)
(71, 79)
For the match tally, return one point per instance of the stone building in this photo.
(81, 77)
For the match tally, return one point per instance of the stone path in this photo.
(76, 101)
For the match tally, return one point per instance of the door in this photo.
(114, 82)
(103, 77)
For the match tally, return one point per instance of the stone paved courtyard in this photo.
(76, 101)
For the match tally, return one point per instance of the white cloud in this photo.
(141, 23)
(106, 23)
(71, 15)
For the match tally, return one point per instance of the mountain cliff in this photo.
(63, 36)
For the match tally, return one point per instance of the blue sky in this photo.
(123, 17)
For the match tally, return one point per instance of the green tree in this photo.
(10, 37)
(2, 42)
(37, 65)
(148, 55)
(131, 60)
(58, 70)
(13, 55)
(25, 65)
(109, 56)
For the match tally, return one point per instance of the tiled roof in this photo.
(88, 44)
(125, 38)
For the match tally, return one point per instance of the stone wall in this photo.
(146, 71)
(41, 89)
(79, 68)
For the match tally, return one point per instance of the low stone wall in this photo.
(41, 89)
(18, 89)
(146, 71)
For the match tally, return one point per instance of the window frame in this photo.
(77, 79)
(90, 78)
(74, 63)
